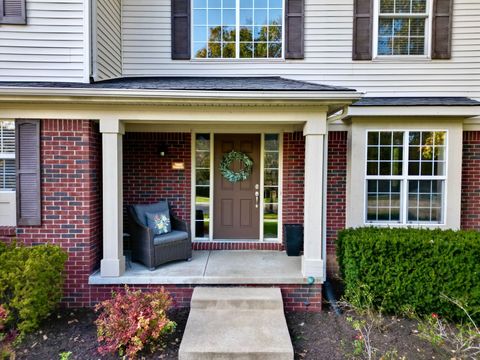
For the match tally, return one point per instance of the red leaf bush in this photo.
(132, 321)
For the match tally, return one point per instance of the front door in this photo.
(237, 205)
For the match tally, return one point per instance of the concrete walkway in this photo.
(236, 323)
(216, 267)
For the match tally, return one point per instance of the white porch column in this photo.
(113, 262)
(312, 261)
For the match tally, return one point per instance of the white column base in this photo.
(312, 267)
(112, 267)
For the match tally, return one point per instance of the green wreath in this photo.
(231, 175)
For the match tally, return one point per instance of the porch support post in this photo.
(312, 260)
(113, 262)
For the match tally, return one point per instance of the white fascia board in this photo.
(440, 111)
(342, 96)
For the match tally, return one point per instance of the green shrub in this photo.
(31, 281)
(413, 268)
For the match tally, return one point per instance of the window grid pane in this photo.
(385, 153)
(425, 199)
(383, 200)
(260, 29)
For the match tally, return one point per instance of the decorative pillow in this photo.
(159, 222)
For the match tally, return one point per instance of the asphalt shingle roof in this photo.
(273, 83)
(416, 101)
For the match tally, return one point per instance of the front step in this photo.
(236, 323)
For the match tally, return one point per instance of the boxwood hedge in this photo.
(413, 267)
(31, 281)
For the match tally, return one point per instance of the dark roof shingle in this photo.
(416, 101)
(273, 83)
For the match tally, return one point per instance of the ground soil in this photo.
(315, 336)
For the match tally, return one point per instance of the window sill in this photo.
(402, 58)
(236, 61)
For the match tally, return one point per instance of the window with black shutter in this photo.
(237, 29)
(13, 12)
(27, 142)
(402, 28)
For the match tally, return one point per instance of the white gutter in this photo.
(180, 94)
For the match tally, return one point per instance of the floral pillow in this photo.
(159, 222)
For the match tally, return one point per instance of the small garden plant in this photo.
(133, 321)
(461, 339)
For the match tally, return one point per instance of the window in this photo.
(271, 193)
(202, 185)
(7, 155)
(247, 29)
(402, 27)
(405, 177)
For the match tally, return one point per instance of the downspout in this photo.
(328, 288)
(330, 119)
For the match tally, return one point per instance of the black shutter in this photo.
(294, 29)
(12, 12)
(362, 30)
(180, 29)
(27, 143)
(442, 29)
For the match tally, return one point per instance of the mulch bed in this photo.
(314, 335)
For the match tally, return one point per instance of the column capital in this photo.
(316, 126)
(111, 125)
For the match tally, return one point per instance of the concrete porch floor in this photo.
(215, 267)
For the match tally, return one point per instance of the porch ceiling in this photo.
(215, 267)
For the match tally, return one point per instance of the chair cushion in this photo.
(170, 237)
(159, 222)
(142, 209)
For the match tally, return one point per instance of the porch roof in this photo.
(416, 101)
(270, 83)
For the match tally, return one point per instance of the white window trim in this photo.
(237, 41)
(428, 35)
(404, 178)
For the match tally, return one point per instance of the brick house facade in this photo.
(71, 199)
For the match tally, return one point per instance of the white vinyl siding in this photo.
(50, 47)
(108, 51)
(328, 53)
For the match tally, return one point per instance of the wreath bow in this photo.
(235, 176)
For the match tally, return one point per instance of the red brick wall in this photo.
(470, 217)
(296, 297)
(148, 177)
(293, 177)
(71, 201)
(336, 194)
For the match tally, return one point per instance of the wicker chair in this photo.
(153, 250)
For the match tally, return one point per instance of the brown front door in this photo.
(236, 212)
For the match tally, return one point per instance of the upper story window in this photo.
(405, 177)
(242, 29)
(7, 155)
(402, 27)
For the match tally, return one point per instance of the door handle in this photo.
(257, 198)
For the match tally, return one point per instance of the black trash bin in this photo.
(293, 238)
